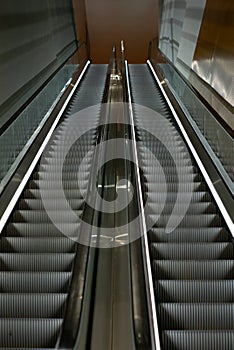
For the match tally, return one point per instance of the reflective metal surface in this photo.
(214, 56)
(36, 40)
(196, 36)
(179, 29)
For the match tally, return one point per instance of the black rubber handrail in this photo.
(75, 329)
(144, 338)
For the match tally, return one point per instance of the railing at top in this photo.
(21, 133)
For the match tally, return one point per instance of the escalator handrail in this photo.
(75, 328)
(145, 248)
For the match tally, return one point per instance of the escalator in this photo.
(193, 265)
(58, 293)
(52, 290)
(36, 258)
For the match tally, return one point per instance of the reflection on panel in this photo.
(214, 55)
(204, 50)
(173, 13)
(179, 29)
(190, 31)
(36, 38)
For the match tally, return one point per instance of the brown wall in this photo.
(81, 31)
(109, 21)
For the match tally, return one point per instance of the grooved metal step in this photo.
(29, 332)
(26, 305)
(36, 245)
(23, 229)
(34, 282)
(36, 262)
(192, 251)
(193, 269)
(193, 209)
(193, 340)
(183, 235)
(43, 216)
(197, 291)
(196, 316)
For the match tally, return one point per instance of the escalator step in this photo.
(41, 216)
(150, 168)
(32, 305)
(196, 316)
(51, 194)
(41, 175)
(175, 187)
(193, 269)
(192, 209)
(36, 262)
(29, 332)
(37, 204)
(71, 185)
(34, 282)
(206, 220)
(151, 177)
(194, 340)
(180, 163)
(73, 167)
(24, 229)
(37, 245)
(192, 251)
(201, 196)
(197, 291)
(10, 348)
(202, 234)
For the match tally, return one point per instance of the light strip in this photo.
(216, 196)
(146, 246)
(27, 175)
